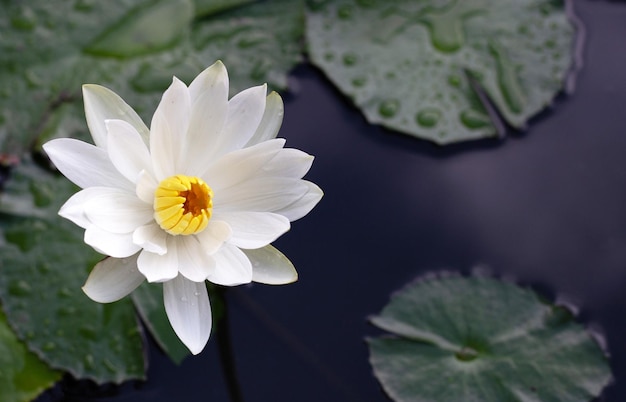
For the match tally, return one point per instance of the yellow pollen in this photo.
(183, 204)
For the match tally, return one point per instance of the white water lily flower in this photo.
(198, 196)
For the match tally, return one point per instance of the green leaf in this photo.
(148, 299)
(22, 375)
(145, 30)
(258, 43)
(416, 69)
(208, 7)
(49, 49)
(44, 262)
(479, 339)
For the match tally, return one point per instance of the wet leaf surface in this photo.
(423, 66)
(44, 263)
(479, 339)
(23, 376)
(49, 49)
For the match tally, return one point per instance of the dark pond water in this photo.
(546, 207)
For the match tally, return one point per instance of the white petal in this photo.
(145, 187)
(151, 238)
(116, 210)
(159, 268)
(209, 79)
(216, 233)
(189, 312)
(74, 207)
(271, 121)
(232, 267)
(304, 205)
(84, 164)
(270, 266)
(113, 278)
(193, 262)
(245, 111)
(209, 106)
(126, 149)
(102, 104)
(288, 162)
(168, 128)
(113, 244)
(254, 229)
(242, 164)
(265, 194)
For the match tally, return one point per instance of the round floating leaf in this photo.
(44, 262)
(479, 339)
(22, 375)
(423, 67)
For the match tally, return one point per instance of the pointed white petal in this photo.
(271, 121)
(232, 267)
(270, 266)
(193, 262)
(245, 111)
(145, 187)
(288, 162)
(113, 278)
(242, 164)
(151, 238)
(74, 207)
(159, 268)
(304, 205)
(168, 128)
(254, 229)
(209, 106)
(84, 164)
(102, 104)
(265, 194)
(112, 244)
(210, 79)
(189, 312)
(117, 211)
(216, 233)
(126, 149)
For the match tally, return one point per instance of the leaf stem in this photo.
(225, 346)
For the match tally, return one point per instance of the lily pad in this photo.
(424, 67)
(49, 49)
(44, 262)
(23, 375)
(479, 339)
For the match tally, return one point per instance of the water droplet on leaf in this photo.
(389, 108)
(428, 117)
(19, 288)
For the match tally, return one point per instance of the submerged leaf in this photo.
(418, 67)
(479, 339)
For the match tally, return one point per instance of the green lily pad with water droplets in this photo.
(416, 66)
(22, 375)
(44, 262)
(49, 49)
(480, 339)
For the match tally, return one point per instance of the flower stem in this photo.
(225, 346)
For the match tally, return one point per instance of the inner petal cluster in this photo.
(183, 205)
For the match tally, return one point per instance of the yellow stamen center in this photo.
(183, 204)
